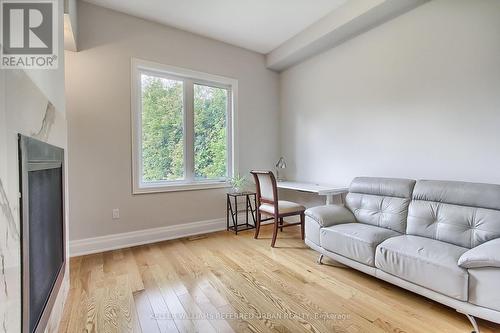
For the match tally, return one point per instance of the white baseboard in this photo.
(118, 241)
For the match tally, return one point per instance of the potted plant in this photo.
(238, 183)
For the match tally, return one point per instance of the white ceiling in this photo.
(258, 25)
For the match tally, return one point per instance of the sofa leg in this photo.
(472, 321)
(320, 258)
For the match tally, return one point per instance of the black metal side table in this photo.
(250, 199)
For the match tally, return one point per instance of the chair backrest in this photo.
(382, 202)
(265, 182)
(460, 213)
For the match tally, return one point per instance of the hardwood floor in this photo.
(228, 283)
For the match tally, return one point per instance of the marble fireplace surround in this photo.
(23, 109)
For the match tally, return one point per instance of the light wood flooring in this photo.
(228, 283)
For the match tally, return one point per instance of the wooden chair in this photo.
(268, 203)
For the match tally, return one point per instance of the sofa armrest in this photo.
(330, 214)
(484, 255)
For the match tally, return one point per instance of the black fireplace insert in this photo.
(41, 168)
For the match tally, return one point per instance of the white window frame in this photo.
(189, 78)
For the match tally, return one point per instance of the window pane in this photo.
(162, 129)
(210, 132)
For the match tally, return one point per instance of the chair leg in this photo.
(281, 224)
(302, 226)
(257, 225)
(275, 231)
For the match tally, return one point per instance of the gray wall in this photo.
(98, 106)
(417, 97)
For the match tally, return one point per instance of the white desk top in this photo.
(310, 187)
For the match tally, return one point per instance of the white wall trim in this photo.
(127, 239)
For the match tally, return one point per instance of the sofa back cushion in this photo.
(382, 202)
(460, 213)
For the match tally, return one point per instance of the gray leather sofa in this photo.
(440, 239)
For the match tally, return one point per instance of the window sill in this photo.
(156, 188)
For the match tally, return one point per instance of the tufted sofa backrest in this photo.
(464, 214)
(382, 202)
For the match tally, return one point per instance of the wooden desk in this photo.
(327, 190)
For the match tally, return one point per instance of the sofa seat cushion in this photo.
(356, 241)
(426, 262)
(284, 207)
(483, 287)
